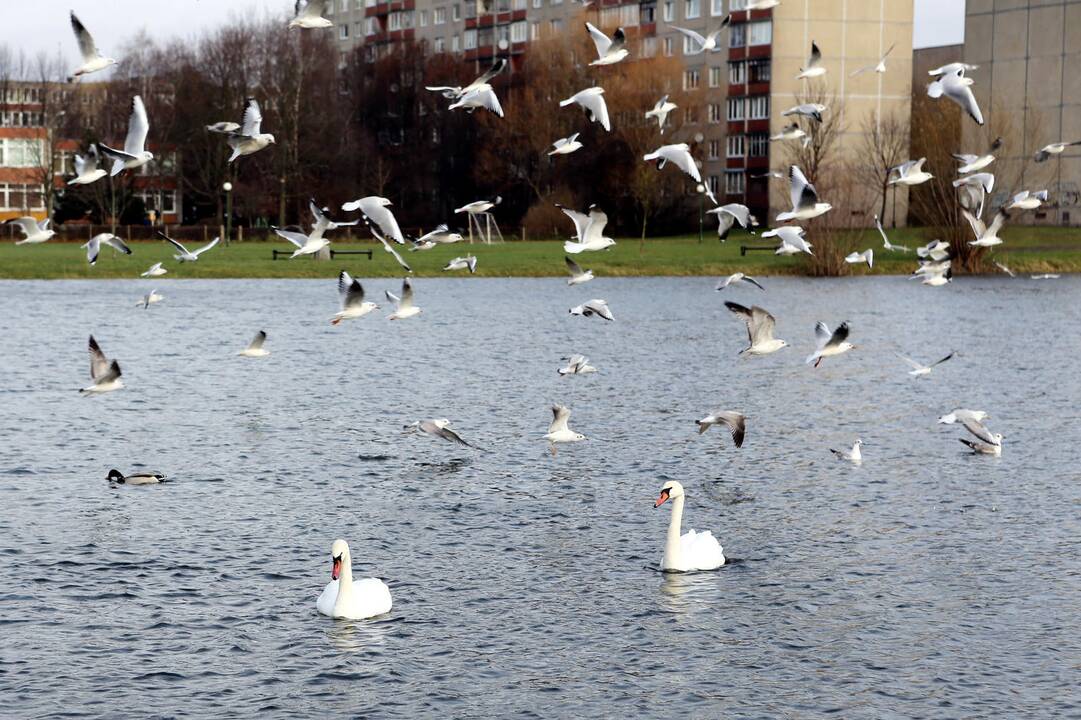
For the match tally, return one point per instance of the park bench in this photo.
(744, 248)
(333, 253)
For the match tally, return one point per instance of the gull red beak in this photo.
(662, 499)
(336, 570)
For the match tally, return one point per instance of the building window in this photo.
(647, 13)
(761, 33)
(714, 184)
(343, 31)
(534, 31)
(519, 32)
(521, 4)
(735, 146)
(668, 47)
(760, 70)
(628, 15)
(714, 149)
(21, 197)
(455, 43)
(734, 182)
(714, 77)
(760, 145)
(735, 109)
(555, 26)
(715, 113)
(737, 36)
(439, 16)
(690, 117)
(692, 9)
(440, 45)
(690, 47)
(735, 5)
(737, 73)
(669, 10)
(424, 18)
(538, 3)
(21, 152)
(470, 39)
(456, 13)
(648, 47)
(759, 107)
(371, 26)
(690, 79)
(716, 8)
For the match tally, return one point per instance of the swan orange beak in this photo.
(662, 499)
(336, 570)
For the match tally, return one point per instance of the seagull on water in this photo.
(104, 372)
(375, 208)
(805, 205)
(185, 255)
(990, 443)
(829, 344)
(255, 347)
(565, 146)
(308, 14)
(469, 262)
(1027, 200)
(352, 299)
(885, 240)
(439, 427)
(134, 153)
(610, 50)
(86, 168)
(879, 67)
(734, 421)
(149, 299)
(760, 326)
(958, 88)
(93, 246)
(593, 307)
(809, 110)
(93, 60)
(986, 235)
(729, 215)
(577, 365)
(962, 414)
(156, 270)
(854, 455)
(1056, 148)
(792, 240)
(403, 306)
(34, 232)
(660, 111)
(707, 43)
(589, 230)
(910, 173)
(248, 137)
(558, 430)
(919, 369)
(738, 278)
(814, 64)
(867, 256)
(577, 274)
(592, 101)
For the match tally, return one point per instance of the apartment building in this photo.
(746, 82)
(1027, 94)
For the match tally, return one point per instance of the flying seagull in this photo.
(853, 455)
(792, 240)
(879, 67)
(156, 270)
(185, 255)
(93, 246)
(792, 131)
(403, 306)
(962, 414)
(352, 298)
(34, 232)
(805, 205)
(592, 101)
(1005, 269)
(829, 344)
(309, 14)
(93, 61)
(134, 153)
(86, 168)
(918, 369)
(104, 372)
(660, 111)
(734, 421)
(255, 347)
(814, 64)
(1056, 148)
(936, 250)
(974, 189)
(679, 154)
(708, 43)
(729, 215)
(972, 163)
(910, 173)
(387, 247)
(323, 222)
(577, 365)
(455, 92)
(885, 240)
(149, 299)
(738, 278)
(760, 326)
(609, 50)
(593, 307)
(469, 262)
(589, 230)
(441, 235)
(558, 430)
(809, 110)
(867, 256)
(986, 235)
(481, 97)
(375, 209)
(577, 274)
(439, 428)
(305, 244)
(1027, 200)
(479, 207)
(248, 137)
(989, 443)
(952, 68)
(958, 88)
(565, 146)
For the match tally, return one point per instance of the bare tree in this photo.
(884, 144)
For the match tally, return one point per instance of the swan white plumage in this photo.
(343, 598)
(692, 550)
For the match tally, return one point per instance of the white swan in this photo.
(342, 598)
(692, 551)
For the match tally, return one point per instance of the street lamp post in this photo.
(701, 211)
(228, 188)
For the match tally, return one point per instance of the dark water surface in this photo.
(925, 583)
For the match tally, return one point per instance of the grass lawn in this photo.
(1026, 249)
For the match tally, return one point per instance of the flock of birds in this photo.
(691, 551)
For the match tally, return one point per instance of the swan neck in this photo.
(345, 579)
(672, 553)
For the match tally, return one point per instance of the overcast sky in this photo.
(36, 25)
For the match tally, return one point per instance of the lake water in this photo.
(925, 583)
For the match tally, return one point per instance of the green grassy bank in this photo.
(1026, 249)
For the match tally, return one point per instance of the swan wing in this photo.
(701, 551)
